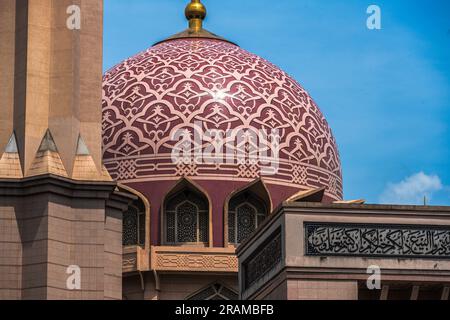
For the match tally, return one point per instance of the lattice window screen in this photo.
(130, 227)
(186, 218)
(134, 225)
(246, 212)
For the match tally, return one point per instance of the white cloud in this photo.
(412, 189)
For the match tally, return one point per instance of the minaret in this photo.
(59, 209)
(52, 73)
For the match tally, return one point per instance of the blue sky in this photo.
(385, 93)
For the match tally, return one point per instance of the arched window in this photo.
(246, 211)
(186, 217)
(216, 291)
(134, 225)
(135, 219)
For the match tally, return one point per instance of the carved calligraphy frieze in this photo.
(368, 240)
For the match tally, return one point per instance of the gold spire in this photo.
(195, 13)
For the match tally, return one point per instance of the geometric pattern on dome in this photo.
(174, 84)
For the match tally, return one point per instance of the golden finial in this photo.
(195, 13)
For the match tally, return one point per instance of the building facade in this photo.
(156, 178)
(354, 251)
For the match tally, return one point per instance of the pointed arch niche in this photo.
(215, 291)
(136, 220)
(245, 209)
(186, 214)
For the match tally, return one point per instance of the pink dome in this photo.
(175, 83)
(181, 82)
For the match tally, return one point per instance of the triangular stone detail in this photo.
(11, 147)
(10, 167)
(82, 149)
(105, 174)
(48, 144)
(84, 168)
(47, 159)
